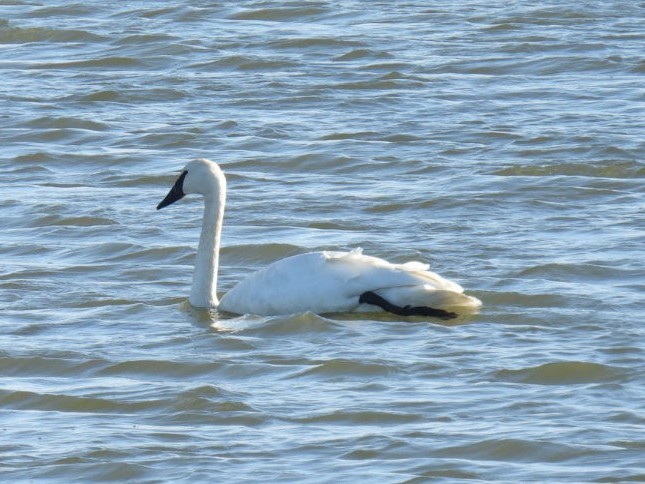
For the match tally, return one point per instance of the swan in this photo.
(320, 282)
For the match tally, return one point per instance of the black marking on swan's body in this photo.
(370, 297)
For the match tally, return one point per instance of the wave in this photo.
(283, 14)
(565, 373)
(245, 63)
(29, 35)
(598, 169)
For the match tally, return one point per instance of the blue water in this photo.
(501, 143)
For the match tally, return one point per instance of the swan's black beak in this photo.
(175, 193)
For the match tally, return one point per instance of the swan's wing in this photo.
(324, 282)
(409, 284)
(295, 284)
(369, 273)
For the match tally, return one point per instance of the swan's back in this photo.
(327, 282)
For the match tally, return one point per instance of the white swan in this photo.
(321, 282)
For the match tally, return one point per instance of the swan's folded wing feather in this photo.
(325, 282)
(366, 273)
(402, 284)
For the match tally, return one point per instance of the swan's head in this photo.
(199, 176)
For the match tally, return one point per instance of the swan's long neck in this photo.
(204, 290)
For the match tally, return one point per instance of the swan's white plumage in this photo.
(325, 282)
(321, 282)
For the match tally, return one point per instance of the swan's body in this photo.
(328, 282)
(321, 282)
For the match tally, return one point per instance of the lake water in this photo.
(501, 142)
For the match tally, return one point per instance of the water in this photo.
(502, 142)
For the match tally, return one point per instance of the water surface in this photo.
(500, 142)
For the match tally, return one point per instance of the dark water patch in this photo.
(396, 74)
(89, 165)
(376, 447)
(622, 476)
(170, 140)
(519, 299)
(625, 354)
(66, 123)
(236, 343)
(201, 406)
(564, 373)
(75, 221)
(362, 54)
(146, 38)
(100, 252)
(341, 369)
(220, 411)
(392, 70)
(613, 169)
(378, 84)
(440, 471)
(132, 95)
(102, 96)
(517, 450)
(135, 181)
(379, 208)
(362, 135)
(204, 403)
(639, 67)
(93, 470)
(501, 135)
(27, 400)
(72, 10)
(24, 250)
(36, 158)
(330, 225)
(580, 272)
(245, 63)
(21, 275)
(281, 14)
(167, 255)
(100, 301)
(313, 161)
(320, 43)
(55, 135)
(45, 366)
(558, 15)
(30, 35)
(150, 12)
(402, 138)
(628, 444)
(161, 370)
(104, 63)
(358, 418)
(551, 65)
(564, 63)
(161, 54)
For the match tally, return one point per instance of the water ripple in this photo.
(565, 373)
(501, 142)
